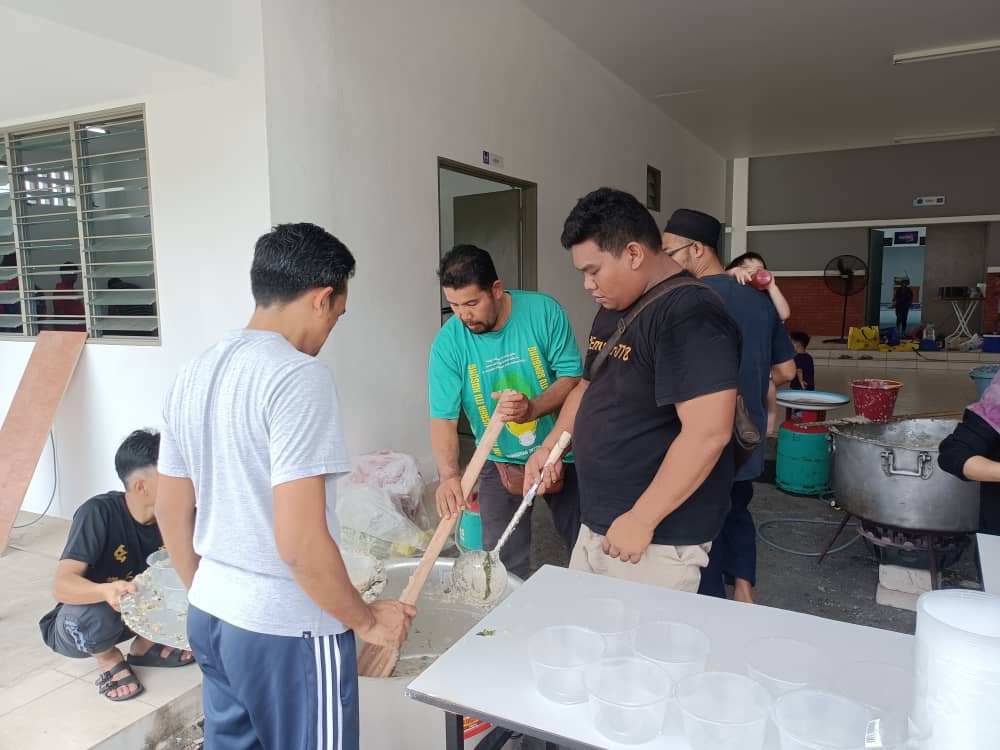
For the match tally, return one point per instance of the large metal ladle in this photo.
(479, 576)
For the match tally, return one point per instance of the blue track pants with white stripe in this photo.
(273, 692)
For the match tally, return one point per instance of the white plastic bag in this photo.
(396, 473)
(371, 521)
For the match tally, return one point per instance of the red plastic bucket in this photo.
(874, 398)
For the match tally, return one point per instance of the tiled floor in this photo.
(49, 701)
(923, 390)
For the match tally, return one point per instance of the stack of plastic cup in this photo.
(956, 696)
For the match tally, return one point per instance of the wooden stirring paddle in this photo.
(380, 661)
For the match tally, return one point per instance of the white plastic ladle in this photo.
(479, 576)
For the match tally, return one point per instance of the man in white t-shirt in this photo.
(252, 439)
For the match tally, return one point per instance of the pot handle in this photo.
(925, 465)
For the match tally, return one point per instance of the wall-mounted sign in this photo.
(491, 159)
(929, 200)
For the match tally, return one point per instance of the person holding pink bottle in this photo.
(750, 268)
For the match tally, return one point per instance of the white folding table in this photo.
(989, 561)
(965, 308)
(489, 676)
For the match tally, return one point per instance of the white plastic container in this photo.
(784, 664)
(814, 719)
(680, 649)
(628, 698)
(723, 711)
(559, 658)
(613, 619)
(956, 695)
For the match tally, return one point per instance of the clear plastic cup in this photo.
(160, 556)
(682, 650)
(723, 711)
(884, 688)
(814, 719)
(613, 619)
(174, 594)
(166, 582)
(784, 664)
(628, 698)
(559, 658)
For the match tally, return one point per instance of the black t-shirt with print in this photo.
(681, 346)
(112, 543)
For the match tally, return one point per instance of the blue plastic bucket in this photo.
(982, 376)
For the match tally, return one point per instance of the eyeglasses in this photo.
(674, 251)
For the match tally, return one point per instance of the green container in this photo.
(470, 531)
(803, 466)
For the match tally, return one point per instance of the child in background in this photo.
(805, 372)
(743, 267)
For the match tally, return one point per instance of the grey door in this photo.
(493, 222)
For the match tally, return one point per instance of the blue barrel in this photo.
(982, 376)
(803, 466)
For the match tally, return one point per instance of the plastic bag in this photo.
(865, 337)
(396, 473)
(371, 521)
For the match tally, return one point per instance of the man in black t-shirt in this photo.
(111, 537)
(652, 429)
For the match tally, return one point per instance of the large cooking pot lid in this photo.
(912, 434)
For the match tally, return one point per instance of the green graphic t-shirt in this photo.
(533, 349)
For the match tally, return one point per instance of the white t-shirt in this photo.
(250, 413)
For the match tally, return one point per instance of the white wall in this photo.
(358, 102)
(449, 78)
(208, 170)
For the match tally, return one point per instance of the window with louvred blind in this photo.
(76, 243)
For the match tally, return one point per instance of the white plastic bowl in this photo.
(681, 649)
(814, 719)
(628, 698)
(559, 658)
(613, 619)
(723, 711)
(784, 664)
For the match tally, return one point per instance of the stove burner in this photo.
(929, 550)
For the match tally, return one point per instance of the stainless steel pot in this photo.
(888, 473)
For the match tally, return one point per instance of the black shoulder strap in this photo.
(650, 296)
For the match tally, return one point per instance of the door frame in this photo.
(528, 213)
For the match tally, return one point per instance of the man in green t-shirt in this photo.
(499, 340)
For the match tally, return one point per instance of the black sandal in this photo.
(152, 658)
(105, 683)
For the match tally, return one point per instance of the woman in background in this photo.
(972, 452)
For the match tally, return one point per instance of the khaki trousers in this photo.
(661, 564)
